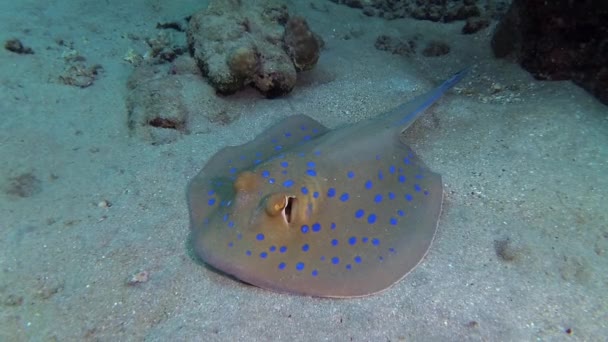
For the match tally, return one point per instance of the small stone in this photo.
(496, 88)
(369, 11)
(133, 57)
(13, 300)
(395, 45)
(436, 48)
(472, 324)
(24, 185)
(475, 24)
(15, 45)
(104, 204)
(505, 251)
(138, 278)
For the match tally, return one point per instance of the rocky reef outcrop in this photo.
(240, 43)
(433, 10)
(558, 40)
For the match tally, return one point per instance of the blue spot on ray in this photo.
(311, 173)
(288, 183)
(359, 213)
(282, 266)
(331, 192)
(300, 266)
(344, 197)
(369, 184)
(350, 174)
(260, 237)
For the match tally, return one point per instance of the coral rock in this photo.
(302, 44)
(239, 43)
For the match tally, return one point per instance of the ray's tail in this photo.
(408, 112)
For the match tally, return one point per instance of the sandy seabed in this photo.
(521, 251)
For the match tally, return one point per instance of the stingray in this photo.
(328, 213)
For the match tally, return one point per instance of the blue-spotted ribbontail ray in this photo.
(329, 213)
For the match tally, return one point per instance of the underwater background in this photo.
(110, 108)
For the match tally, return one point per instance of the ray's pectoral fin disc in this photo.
(305, 210)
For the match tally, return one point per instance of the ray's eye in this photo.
(280, 204)
(275, 204)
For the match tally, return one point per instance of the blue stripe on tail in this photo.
(434, 95)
